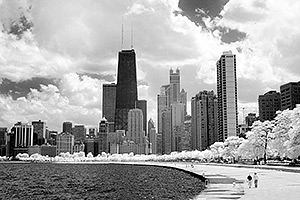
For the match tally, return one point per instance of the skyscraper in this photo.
(142, 104)
(227, 96)
(39, 132)
(109, 104)
(162, 104)
(67, 127)
(152, 136)
(102, 138)
(268, 105)
(167, 138)
(204, 120)
(79, 133)
(136, 131)
(175, 86)
(126, 93)
(183, 99)
(290, 95)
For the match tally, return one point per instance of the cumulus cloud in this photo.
(49, 105)
(77, 43)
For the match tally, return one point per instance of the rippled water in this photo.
(94, 181)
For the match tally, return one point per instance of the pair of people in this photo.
(255, 179)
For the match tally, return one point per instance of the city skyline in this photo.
(57, 69)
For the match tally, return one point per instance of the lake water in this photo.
(95, 181)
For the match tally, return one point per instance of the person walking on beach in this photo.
(249, 180)
(255, 178)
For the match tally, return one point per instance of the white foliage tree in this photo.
(282, 123)
(293, 142)
(231, 145)
(217, 150)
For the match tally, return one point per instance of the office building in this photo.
(89, 144)
(65, 143)
(227, 96)
(183, 99)
(102, 139)
(142, 104)
(174, 86)
(136, 131)
(126, 93)
(290, 95)
(167, 137)
(39, 132)
(79, 132)
(268, 105)
(152, 137)
(162, 104)
(250, 119)
(109, 104)
(67, 127)
(3, 135)
(23, 134)
(93, 131)
(204, 120)
(186, 141)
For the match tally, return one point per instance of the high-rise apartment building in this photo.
(39, 132)
(204, 120)
(227, 96)
(290, 95)
(109, 104)
(126, 93)
(67, 127)
(268, 105)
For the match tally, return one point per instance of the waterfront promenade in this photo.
(229, 181)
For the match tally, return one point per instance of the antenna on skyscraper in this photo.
(131, 36)
(122, 35)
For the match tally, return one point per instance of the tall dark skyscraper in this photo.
(39, 132)
(126, 94)
(142, 104)
(109, 104)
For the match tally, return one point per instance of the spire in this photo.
(122, 35)
(131, 36)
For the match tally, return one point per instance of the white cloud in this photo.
(23, 59)
(48, 105)
(72, 37)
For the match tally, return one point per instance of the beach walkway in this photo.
(229, 181)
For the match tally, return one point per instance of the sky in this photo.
(55, 55)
